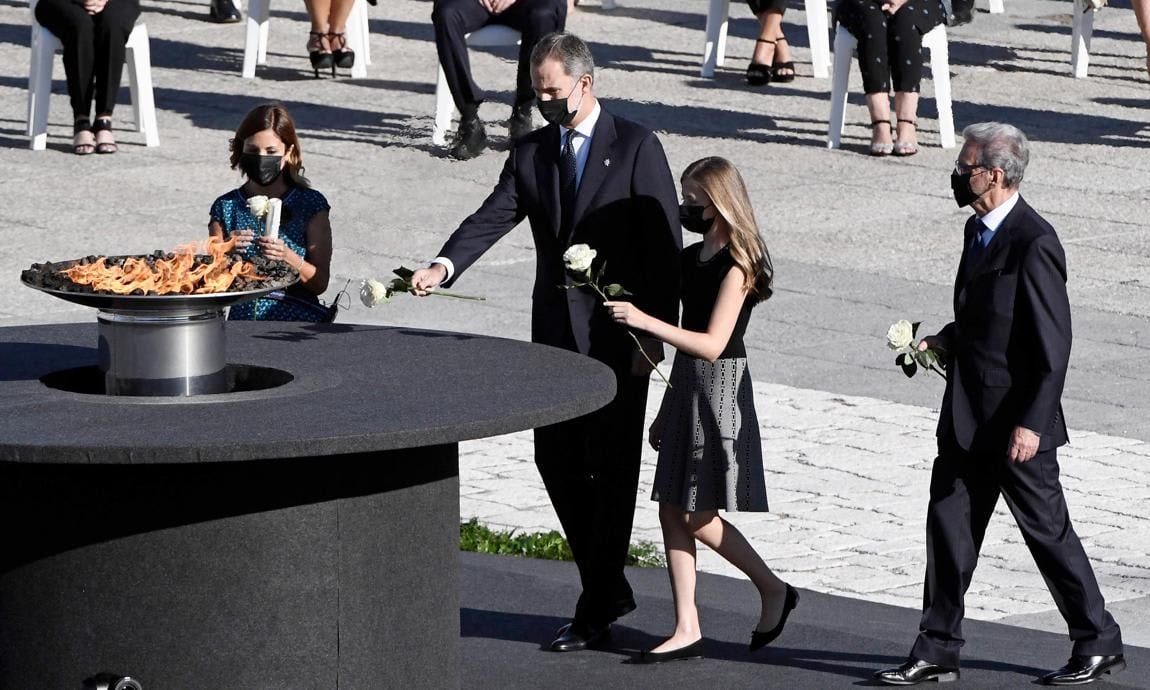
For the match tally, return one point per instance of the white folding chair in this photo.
(995, 7)
(1081, 29)
(487, 36)
(256, 41)
(935, 41)
(715, 44)
(138, 59)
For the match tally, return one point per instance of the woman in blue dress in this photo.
(266, 150)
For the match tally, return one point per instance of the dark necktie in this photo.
(568, 176)
(978, 247)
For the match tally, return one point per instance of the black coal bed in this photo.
(299, 532)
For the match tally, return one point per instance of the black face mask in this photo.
(691, 218)
(960, 185)
(263, 170)
(555, 111)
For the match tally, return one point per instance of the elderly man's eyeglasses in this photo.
(962, 168)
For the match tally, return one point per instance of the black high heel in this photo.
(344, 58)
(782, 72)
(759, 74)
(320, 58)
(762, 639)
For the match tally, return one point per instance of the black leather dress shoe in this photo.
(575, 637)
(916, 671)
(520, 123)
(224, 12)
(1082, 669)
(691, 651)
(470, 140)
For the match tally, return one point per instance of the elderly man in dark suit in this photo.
(1001, 422)
(589, 177)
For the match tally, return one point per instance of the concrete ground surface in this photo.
(857, 242)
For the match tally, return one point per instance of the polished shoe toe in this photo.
(691, 651)
(916, 671)
(575, 637)
(1082, 669)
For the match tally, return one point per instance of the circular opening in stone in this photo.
(241, 378)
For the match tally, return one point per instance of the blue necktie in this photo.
(978, 246)
(568, 185)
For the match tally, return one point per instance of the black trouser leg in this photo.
(904, 48)
(962, 499)
(868, 24)
(534, 19)
(1034, 495)
(74, 27)
(590, 467)
(453, 20)
(111, 30)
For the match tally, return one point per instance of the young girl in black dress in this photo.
(707, 431)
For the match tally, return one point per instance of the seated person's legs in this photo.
(111, 29)
(70, 23)
(869, 26)
(453, 20)
(534, 19)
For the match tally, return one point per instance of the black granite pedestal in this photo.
(298, 536)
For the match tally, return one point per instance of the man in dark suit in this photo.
(453, 20)
(587, 178)
(1001, 422)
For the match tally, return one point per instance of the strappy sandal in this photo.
(906, 148)
(83, 145)
(783, 72)
(759, 74)
(880, 148)
(344, 57)
(104, 124)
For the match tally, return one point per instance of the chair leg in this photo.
(844, 51)
(357, 38)
(444, 109)
(40, 86)
(365, 47)
(996, 7)
(1083, 27)
(256, 36)
(940, 75)
(818, 34)
(716, 36)
(139, 59)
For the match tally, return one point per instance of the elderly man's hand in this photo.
(933, 342)
(94, 6)
(1023, 444)
(427, 279)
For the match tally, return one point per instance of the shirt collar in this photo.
(994, 218)
(586, 127)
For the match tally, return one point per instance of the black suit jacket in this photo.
(626, 209)
(1010, 338)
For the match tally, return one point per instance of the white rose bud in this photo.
(900, 335)
(372, 292)
(258, 205)
(578, 258)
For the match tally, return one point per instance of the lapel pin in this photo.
(606, 161)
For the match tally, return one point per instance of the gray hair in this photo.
(1000, 146)
(569, 49)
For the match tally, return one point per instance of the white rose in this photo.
(578, 258)
(372, 292)
(900, 335)
(258, 205)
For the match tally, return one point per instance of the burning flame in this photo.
(184, 273)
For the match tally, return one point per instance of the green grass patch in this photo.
(548, 545)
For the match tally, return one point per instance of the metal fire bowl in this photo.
(162, 303)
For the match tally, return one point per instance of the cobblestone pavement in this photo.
(848, 479)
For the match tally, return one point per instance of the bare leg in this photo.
(728, 542)
(879, 106)
(319, 12)
(1142, 13)
(906, 110)
(680, 549)
(337, 18)
(770, 28)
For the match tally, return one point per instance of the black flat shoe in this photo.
(762, 639)
(575, 637)
(1082, 669)
(916, 671)
(759, 74)
(470, 140)
(691, 651)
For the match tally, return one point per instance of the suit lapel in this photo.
(597, 165)
(547, 176)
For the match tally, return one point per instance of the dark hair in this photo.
(273, 116)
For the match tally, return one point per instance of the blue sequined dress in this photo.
(300, 204)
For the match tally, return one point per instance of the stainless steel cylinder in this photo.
(172, 353)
